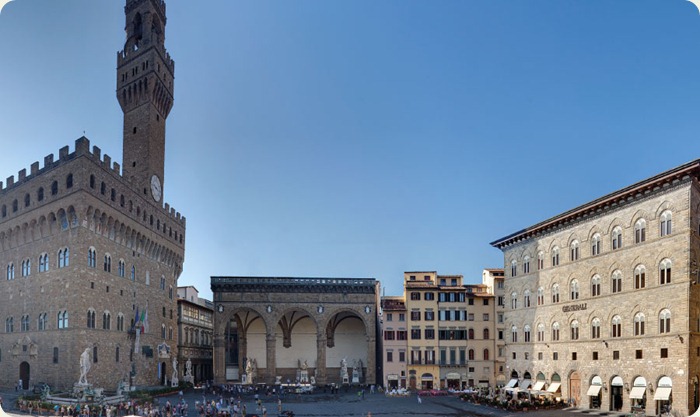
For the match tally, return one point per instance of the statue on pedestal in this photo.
(344, 371)
(188, 371)
(84, 367)
(174, 381)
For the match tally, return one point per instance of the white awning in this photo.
(513, 390)
(513, 382)
(538, 386)
(662, 394)
(524, 384)
(594, 390)
(637, 393)
(392, 377)
(553, 387)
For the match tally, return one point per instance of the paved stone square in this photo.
(349, 404)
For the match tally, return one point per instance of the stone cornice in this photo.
(642, 190)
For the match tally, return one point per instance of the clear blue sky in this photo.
(364, 138)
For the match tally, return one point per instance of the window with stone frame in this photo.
(665, 272)
(595, 245)
(555, 293)
(640, 277)
(640, 231)
(665, 321)
(666, 223)
(595, 285)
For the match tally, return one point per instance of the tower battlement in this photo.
(65, 156)
(125, 55)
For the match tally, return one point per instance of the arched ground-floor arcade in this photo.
(294, 330)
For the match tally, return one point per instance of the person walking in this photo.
(420, 401)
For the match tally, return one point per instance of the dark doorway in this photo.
(24, 374)
(163, 373)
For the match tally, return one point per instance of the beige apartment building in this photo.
(394, 341)
(602, 301)
(451, 333)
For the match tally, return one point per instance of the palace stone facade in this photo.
(602, 301)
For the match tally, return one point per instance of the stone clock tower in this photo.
(145, 92)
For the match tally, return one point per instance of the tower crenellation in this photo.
(24, 180)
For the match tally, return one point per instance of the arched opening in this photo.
(23, 376)
(346, 339)
(575, 387)
(296, 349)
(638, 394)
(594, 392)
(616, 385)
(662, 395)
(163, 373)
(426, 381)
(245, 340)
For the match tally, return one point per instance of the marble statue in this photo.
(344, 369)
(84, 366)
(188, 371)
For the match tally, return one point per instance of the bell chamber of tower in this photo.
(145, 74)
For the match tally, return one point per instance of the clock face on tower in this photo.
(156, 190)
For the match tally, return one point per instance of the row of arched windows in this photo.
(197, 337)
(27, 201)
(41, 323)
(106, 320)
(616, 242)
(639, 281)
(63, 256)
(107, 264)
(637, 326)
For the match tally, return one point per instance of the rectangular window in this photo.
(389, 317)
(515, 356)
(429, 334)
(415, 315)
(573, 356)
(402, 356)
(501, 301)
(638, 354)
(616, 355)
(664, 352)
(401, 335)
(389, 356)
(389, 335)
(415, 334)
(443, 357)
(595, 356)
(470, 317)
(471, 302)
(539, 356)
(486, 317)
(55, 355)
(429, 315)
(402, 317)
(555, 356)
